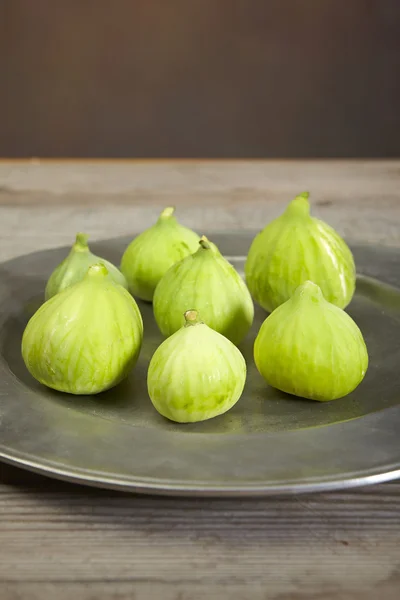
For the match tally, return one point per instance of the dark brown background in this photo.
(200, 78)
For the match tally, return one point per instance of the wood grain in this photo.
(72, 540)
(44, 203)
(61, 541)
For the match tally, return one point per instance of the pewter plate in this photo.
(269, 443)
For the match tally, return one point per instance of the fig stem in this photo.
(300, 205)
(167, 212)
(81, 242)
(191, 317)
(97, 270)
(204, 243)
(305, 195)
(310, 290)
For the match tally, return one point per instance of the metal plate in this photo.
(268, 443)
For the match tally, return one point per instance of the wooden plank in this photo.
(345, 179)
(320, 546)
(252, 590)
(44, 203)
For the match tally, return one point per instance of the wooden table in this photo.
(60, 541)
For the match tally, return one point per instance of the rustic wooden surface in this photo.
(61, 541)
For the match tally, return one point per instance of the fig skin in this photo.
(75, 266)
(195, 374)
(294, 248)
(85, 339)
(149, 256)
(209, 282)
(310, 348)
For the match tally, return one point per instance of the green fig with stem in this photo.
(208, 281)
(85, 339)
(196, 373)
(310, 348)
(75, 266)
(294, 248)
(149, 256)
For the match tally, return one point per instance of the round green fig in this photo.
(196, 374)
(310, 348)
(75, 266)
(85, 339)
(294, 248)
(208, 281)
(149, 256)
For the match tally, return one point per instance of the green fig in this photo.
(195, 374)
(310, 348)
(75, 266)
(294, 248)
(149, 256)
(208, 281)
(85, 339)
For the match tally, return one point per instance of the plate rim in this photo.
(160, 488)
(187, 487)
